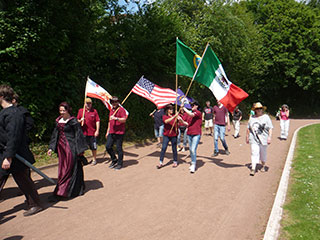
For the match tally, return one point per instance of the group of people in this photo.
(72, 136)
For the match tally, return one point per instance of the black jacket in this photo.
(13, 139)
(74, 135)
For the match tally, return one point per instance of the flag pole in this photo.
(84, 104)
(195, 73)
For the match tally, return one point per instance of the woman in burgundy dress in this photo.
(69, 143)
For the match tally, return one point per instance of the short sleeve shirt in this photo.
(157, 116)
(168, 126)
(237, 115)
(195, 123)
(259, 129)
(117, 127)
(208, 113)
(220, 115)
(91, 117)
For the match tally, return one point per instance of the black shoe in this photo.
(113, 164)
(118, 167)
(32, 211)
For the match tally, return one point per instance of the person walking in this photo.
(182, 130)
(115, 133)
(157, 115)
(259, 133)
(90, 125)
(68, 141)
(207, 117)
(284, 122)
(194, 132)
(236, 118)
(13, 141)
(221, 118)
(170, 134)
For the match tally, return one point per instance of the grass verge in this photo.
(302, 208)
(42, 159)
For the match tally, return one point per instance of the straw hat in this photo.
(88, 100)
(258, 105)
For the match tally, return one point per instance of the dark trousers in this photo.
(117, 139)
(27, 186)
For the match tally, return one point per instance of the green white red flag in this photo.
(211, 74)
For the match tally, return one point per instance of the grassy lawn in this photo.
(42, 159)
(302, 208)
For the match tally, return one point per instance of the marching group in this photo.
(72, 136)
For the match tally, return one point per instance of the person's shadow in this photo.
(16, 237)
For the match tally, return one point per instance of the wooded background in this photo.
(269, 48)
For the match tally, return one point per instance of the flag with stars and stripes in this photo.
(158, 95)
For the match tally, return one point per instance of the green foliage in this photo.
(302, 219)
(48, 48)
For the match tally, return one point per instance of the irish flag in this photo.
(211, 74)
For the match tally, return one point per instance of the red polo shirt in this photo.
(91, 117)
(195, 123)
(115, 126)
(168, 126)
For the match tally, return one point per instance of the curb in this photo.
(273, 227)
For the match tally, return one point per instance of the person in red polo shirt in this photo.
(170, 133)
(194, 132)
(115, 133)
(90, 127)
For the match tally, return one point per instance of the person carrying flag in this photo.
(115, 132)
(90, 127)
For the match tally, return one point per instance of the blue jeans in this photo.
(193, 144)
(165, 142)
(219, 132)
(184, 137)
(158, 132)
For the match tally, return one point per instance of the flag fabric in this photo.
(94, 90)
(211, 74)
(158, 95)
(187, 100)
(187, 60)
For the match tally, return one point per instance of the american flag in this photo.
(158, 95)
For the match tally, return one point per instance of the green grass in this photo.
(42, 159)
(302, 208)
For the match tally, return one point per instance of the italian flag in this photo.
(211, 74)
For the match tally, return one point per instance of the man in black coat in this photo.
(13, 140)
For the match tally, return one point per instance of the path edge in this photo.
(273, 227)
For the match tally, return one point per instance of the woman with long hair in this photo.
(69, 143)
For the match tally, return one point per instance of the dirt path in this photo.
(219, 201)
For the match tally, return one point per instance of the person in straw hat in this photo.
(259, 134)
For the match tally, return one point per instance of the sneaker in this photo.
(252, 172)
(192, 168)
(183, 149)
(118, 167)
(94, 162)
(32, 211)
(160, 165)
(214, 154)
(179, 149)
(227, 152)
(113, 164)
(175, 164)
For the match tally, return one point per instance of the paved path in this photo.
(219, 201)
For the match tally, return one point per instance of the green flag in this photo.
(187, 60)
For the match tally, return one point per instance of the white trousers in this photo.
(236, 125)
(258, 153)
(284, 126)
